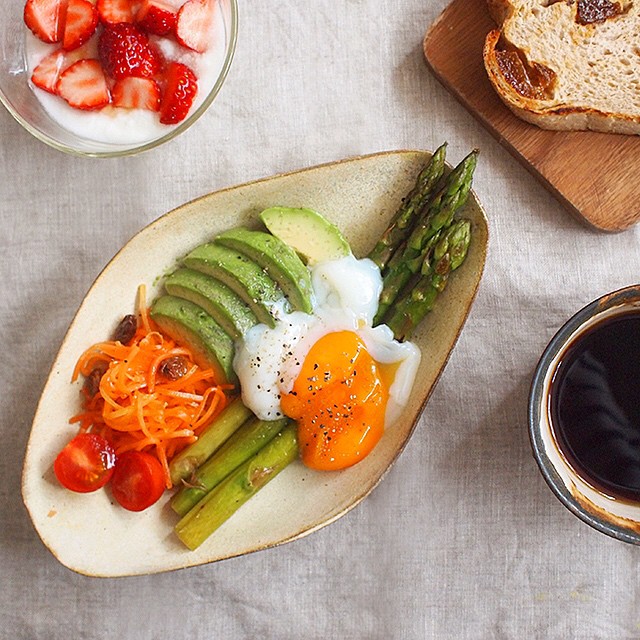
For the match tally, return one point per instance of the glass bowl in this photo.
(19, 97)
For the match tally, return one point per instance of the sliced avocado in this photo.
(278, 259)
(310, 234)
(220, 302)
(189, 324)
(240, 274)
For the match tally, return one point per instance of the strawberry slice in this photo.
(157, 18)
(84, 86)
(180, 90)
(114, 11)
(194, 24)
(46, 74)
(136, 93)
(125, 50)
(45, 18)
(81, 22)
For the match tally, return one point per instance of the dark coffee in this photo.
(594, 405)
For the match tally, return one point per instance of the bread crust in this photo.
(549, 113)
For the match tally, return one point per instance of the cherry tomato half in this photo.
(86, 463)
(138, 481)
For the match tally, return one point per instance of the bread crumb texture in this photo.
(567, 64)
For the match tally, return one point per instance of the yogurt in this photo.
(114, 125)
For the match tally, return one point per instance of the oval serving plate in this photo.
(90, 534)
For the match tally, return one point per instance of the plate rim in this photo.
(176, 211)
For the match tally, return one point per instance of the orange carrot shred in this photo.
(136, 407)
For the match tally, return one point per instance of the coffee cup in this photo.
(584, 414)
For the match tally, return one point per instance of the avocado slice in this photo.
(278, 259)
(242, 275)
(189, 324)
(309, 233)
(220, 302)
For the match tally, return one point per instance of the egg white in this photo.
(346, 292)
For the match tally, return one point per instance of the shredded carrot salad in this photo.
(137, 407)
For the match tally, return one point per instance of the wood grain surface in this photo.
(596, 176)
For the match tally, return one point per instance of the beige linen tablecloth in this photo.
(462, 539)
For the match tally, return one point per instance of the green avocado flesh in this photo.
(220, 302)
(241, 274)
(187, 323)
(310, 234)
(277, 259)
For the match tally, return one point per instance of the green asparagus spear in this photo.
(221, 503)
(438, 215)
(425, 252)
(412, 205)
(225, 424)
(243, 444)
(448, 254)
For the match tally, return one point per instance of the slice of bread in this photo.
(567, 64)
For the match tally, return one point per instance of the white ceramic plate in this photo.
(88, 532)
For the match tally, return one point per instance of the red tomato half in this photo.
(138, 481)
(86, 463)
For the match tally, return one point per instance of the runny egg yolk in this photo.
(339, 401)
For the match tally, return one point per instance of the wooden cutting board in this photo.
(596, 176)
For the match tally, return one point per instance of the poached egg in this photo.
(339, 377)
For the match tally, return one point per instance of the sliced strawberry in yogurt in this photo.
(157, 18)
(195, 22)
(115, 11)
(151, 62)
(136, 93)
(80, 23)
(46, 18)
(84, 86)
(125, 50)
(181, 86)
(46, 74)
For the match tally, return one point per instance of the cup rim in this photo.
(170, 135)
(538, 404)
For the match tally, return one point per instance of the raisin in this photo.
(592, 11)
(92, 381)
(126, 329)
(529, 79)
(174, 367)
